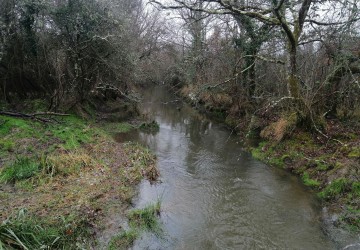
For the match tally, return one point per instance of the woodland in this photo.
(286, 72)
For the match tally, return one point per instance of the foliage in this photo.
(68, 51)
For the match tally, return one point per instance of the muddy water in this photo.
(216, 196)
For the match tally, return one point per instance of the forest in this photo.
(283, 73)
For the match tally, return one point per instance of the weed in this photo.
(146, 218)
(124, 240)
(308, 181)
(22, 168)
(337, 187)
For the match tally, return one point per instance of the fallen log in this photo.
(34, 116)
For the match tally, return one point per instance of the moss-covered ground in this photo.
(60, 181)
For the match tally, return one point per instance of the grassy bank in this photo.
(60, 181)
(329, 167)
(328, 164)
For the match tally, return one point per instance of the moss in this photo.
(334, 189)
(308, 181)
(259, 152)
(276, 161)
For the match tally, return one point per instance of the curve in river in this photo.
(216, 196)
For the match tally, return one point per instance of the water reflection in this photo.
(215, 196)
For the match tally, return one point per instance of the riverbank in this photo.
(328, 163)
(62, 180)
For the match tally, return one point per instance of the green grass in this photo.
(355, 187)
(308, 181)
(337, 187)
(355, 153)
(15, 125)
(124, 240)
(25, 232)
(23, 168)
(73, 132)
(146, 218)
(7, 145)
(117, 127)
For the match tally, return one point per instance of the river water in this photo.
(216, 196)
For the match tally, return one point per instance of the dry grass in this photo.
(82, 183)
(279, 130)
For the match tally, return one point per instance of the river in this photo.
(214, 195)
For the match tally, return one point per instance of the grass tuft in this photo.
(334, 189)
(23, 168)
(124, 240)
(152, 126)
(146, 218)
(308, 181)
(24, 232)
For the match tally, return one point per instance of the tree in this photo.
(294, 19)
